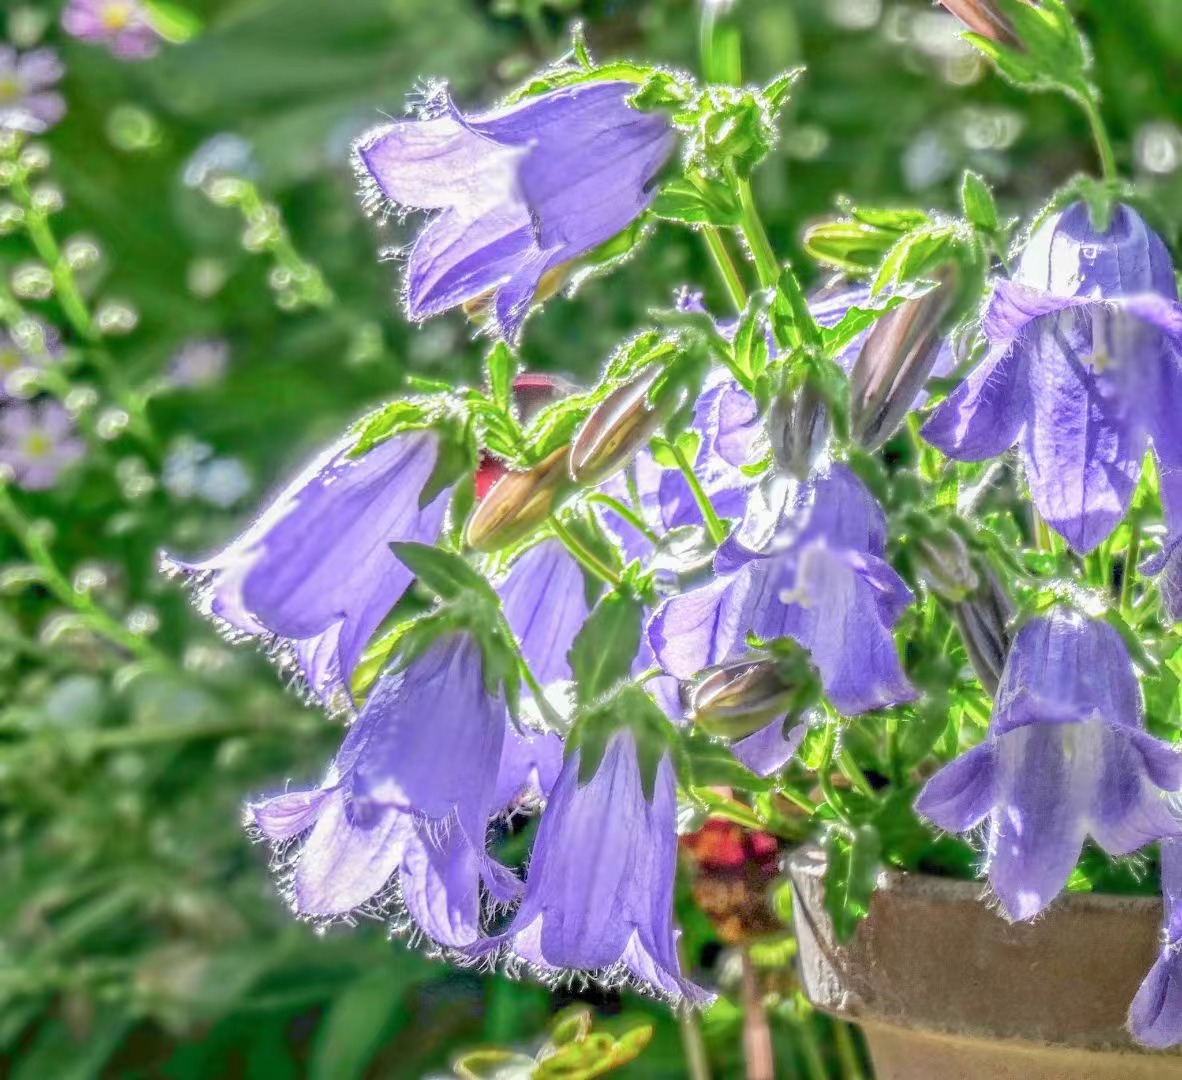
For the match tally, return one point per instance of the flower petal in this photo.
(962, 793)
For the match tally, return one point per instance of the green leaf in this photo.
(500, 367)
(852, 863)
(706, 203)
(356, 1024)
(605, 647)
(444, 573)
(917, 253)
(172, 22)
(792, 321)
(750, 346)
(978, 204)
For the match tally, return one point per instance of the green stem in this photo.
(852, 772)
(572, 544)
(56, 582)
(627, 513)
(813, 1058)
(751, 225)
(797, 799)
(714, 526)
(825, 776)
(1086, 97)
(1130, 566)
(697, 1064)
(726, 267)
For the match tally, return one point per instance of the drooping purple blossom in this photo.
(398, 824)
(29, 101)
(1155, 1016)
(599, 894)
(1083, 369)
(37, 442)
(819, 578)
(314, 575)
(520, 191)
(123, 26)
(1066, 757)
(543, 596)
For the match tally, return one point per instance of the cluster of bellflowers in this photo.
(882, 561)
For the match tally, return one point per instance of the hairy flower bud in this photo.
(983, 621)
(738, 699)
(984, 17)
(798, 426)
(946, 565)
(516, 504)
(894, 364)
(614, 431)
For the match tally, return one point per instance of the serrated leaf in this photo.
(977, 201)
(499, 370)
(444, 573)
(605, 647)
(851, 869)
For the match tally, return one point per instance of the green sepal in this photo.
(793, 324)
(604, 649)
(703, 201)
(628, 706)
(1052, 54)
(977, 202)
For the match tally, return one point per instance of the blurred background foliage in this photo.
(140, 932)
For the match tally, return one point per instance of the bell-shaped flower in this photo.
(314, 576)
(1066, 757)
(520, 191)
(1167, 564)
(819, 579)
(398, 825)
(543, 596)
(599, 893)
(1155, 1017)
(1083, 369)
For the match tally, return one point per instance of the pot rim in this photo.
(809, 860)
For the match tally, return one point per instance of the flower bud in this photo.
(798, 426)
(738, 699)
(895, 362)
(616, 429)
(516, 504)
(946, 565)
(984, 17)
(983, 620)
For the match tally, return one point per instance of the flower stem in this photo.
(697, 1064)
(714, 526)
(751, 225)
(814, 1060)
(757, 1038)
(1086, 97)
(627, 513)
(95, 617)
(1130, 567)
(847, 1052)
(572, 544)
(726, 267)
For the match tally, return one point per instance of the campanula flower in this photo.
(819, 579)
(400, 819)
(1066, 757)
(28, 98)
(314, 576)
(1083, 368)
(599, 893)
(37, 442)
(520, 191)
(124, 26)
(1167, 565)
(543, 596)
(1155, 1017)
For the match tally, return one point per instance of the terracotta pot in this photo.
(945, 989)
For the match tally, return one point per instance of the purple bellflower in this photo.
(37, 442)
(314, 576)
(1083, 369)
(1168, 563)
(28, 98)
(1155, 1017)
(124, 26)
(398, 825)
(599, 894)
(820, 580)
(520, 191)
(1066, 756)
